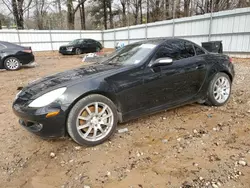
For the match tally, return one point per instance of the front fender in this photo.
(76, 92)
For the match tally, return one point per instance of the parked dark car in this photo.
(13, 56)
(139, 79)
(80, 46)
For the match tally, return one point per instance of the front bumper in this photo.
(35, 121)
(65, 52)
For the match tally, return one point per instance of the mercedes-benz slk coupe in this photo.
(139, 79)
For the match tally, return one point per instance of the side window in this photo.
(198, 50)
(2, 47)
(188, 50)
(82, 41)
(176, 50)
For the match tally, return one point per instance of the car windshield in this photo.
(77, 41)
(131, 54)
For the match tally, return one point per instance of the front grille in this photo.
(32, 126)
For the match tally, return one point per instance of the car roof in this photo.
(9, 44)
(158, 41)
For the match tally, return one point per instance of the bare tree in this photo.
(71, 12)
(58, 2)
(123, 4)
(16, 7)
(109, 5)
(135, 7)
(186, 7)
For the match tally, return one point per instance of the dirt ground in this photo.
(191, 146)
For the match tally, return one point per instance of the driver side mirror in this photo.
(161, 62)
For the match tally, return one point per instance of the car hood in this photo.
(68, 45)
(67, 78)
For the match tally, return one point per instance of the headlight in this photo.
(69, 48)
(18, 94)
(47, 98)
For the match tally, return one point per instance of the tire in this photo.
(78, 51)
(98, 49)
(12, 63)
(92, 121)
(219, 93)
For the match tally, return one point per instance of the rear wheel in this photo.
(92, 120)
(12, 63)
(219, 90)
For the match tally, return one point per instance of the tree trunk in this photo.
(216, 6)
(166, 9)
(177, 9)
(241, 3)
(20, 11)
(60, 13)
(83, 19)
(110, 14)
(124, 21)
(148, 11)
(140, 7)
(1, 24)
(136, 13)
(105, 13)
(227, 4)
(186, 7)
(70, 15)
(17, 8)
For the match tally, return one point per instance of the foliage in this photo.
(104, 14)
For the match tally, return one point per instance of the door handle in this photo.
(201, 66)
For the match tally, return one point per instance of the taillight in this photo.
(231, 60)
(27, 51)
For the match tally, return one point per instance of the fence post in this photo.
(114, 38)
(146, 31)
(210, 23)
(80, 34)
(128, 36)
(102, 35)
(173, 31)
(18, 35)
(50, 36)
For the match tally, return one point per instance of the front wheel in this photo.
(98, 49)
(78, 51)
(219, 90)
(92, 120)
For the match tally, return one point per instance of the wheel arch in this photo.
(7, 56)
(103, 93)
(227, 73)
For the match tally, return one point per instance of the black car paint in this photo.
(13, 50)
(135, 89)
(85, 47)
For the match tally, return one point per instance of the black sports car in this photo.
(13, 56)
(80, 46)
(139, 79)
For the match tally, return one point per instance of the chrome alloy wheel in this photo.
(95, 121)
(221, 89)
(12, 64)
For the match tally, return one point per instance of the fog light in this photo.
(52, 114)
(39, 126)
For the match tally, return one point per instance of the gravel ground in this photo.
(191, 146)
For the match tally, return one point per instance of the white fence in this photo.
(44, 40)
(232, 27)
